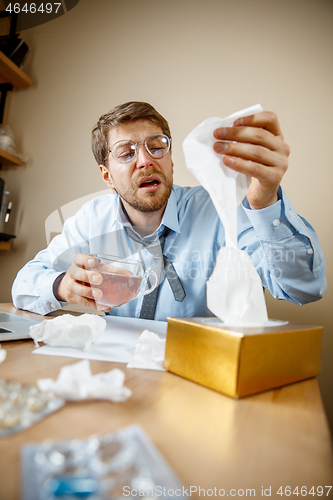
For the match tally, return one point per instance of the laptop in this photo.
(14, 327)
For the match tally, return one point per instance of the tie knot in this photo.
(154, 246)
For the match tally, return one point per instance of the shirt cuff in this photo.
(273, 222)
(49, 301)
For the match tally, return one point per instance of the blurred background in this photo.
(191, 59)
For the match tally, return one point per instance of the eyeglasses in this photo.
(157, 146)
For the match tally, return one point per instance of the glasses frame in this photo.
(136, 144)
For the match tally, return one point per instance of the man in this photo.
(132, 146)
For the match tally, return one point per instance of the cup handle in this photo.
(149, 290)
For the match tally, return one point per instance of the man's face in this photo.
(145, 183)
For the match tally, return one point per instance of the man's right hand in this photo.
(74, 286)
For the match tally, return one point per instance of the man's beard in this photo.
(152, 201)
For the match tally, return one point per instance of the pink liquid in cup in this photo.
(118, 289)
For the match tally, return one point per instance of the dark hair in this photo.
(130, 111)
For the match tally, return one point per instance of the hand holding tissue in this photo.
(242, 354)
(234, 291)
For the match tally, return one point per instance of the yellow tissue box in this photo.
(241, 361)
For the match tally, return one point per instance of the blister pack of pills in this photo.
(23, 406)
(121, 465)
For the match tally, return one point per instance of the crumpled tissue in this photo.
(69, 331)
(149, 352)
(75, 382)
(234, 290)
(3, 354)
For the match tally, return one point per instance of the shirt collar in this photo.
(121, 214)
(170, 216)
(169, 219)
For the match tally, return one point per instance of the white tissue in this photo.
(149, 352)
(75, 382)
(3, 355)
(226, 187)
(234, 291)
(69, 331)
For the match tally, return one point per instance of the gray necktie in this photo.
(159, 261)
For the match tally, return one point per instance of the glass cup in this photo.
(123, 279)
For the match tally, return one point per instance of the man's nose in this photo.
(143, 159)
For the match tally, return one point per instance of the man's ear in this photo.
(106, 176)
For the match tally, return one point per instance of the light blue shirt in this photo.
(282, 245)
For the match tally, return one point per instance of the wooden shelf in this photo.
(11, 73)
(8, 159)
(4, 245)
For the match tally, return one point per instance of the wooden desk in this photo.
(277, 438)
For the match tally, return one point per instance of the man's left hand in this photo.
(259, 151)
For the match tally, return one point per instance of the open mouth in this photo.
(147, 183)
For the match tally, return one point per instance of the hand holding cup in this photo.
(103, 281)
(122, 280)
(75, 286)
